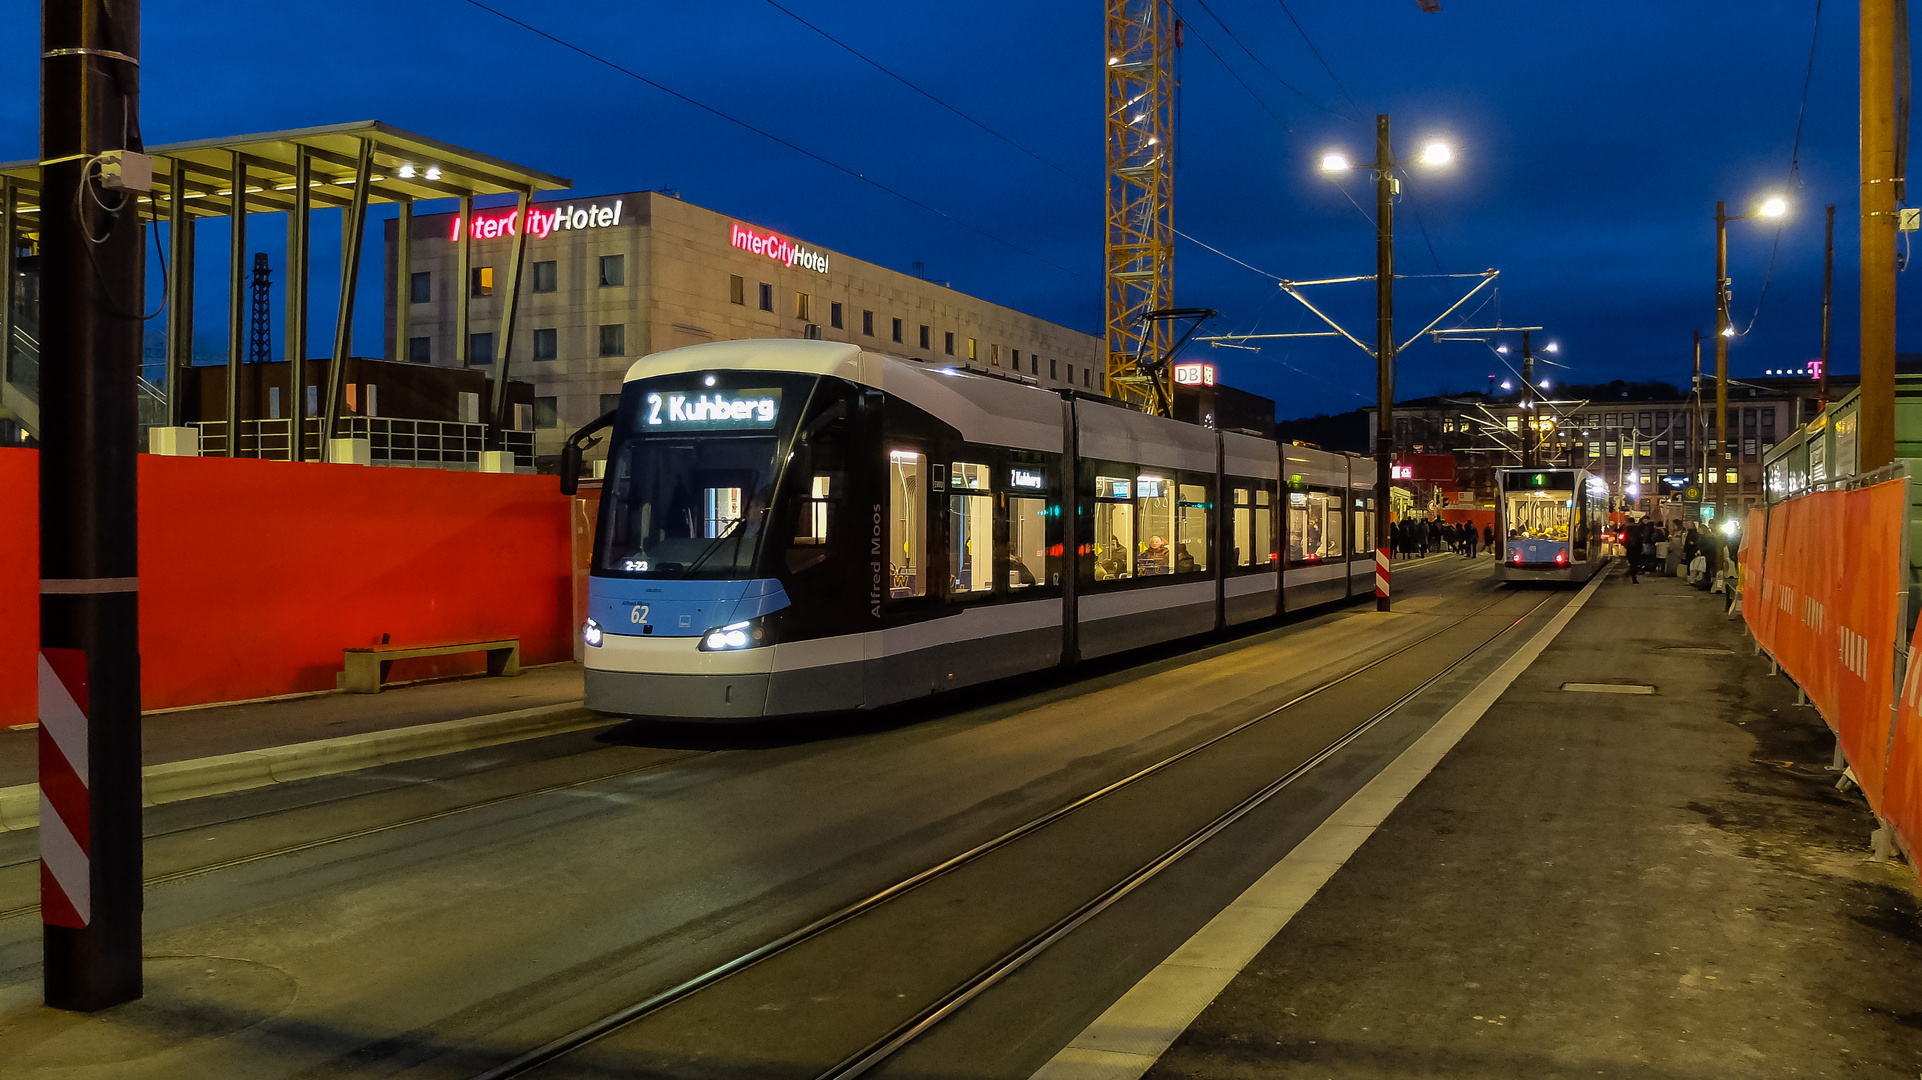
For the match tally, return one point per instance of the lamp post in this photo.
(1386, 188)
(1773, 207)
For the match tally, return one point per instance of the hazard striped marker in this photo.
(66, 874)
(1381, 573)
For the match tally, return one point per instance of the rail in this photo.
(392, 441)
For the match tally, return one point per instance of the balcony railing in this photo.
(436, 444)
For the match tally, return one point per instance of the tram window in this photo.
(1027, 541)
(1114, 528)
(812, 528)
(1155, 510)
(1243, 525)
(1314, 527)
(721, 511)
(1265, 553)
(1363, 535)
(970, 530)
(907, 524)
(1192, 509)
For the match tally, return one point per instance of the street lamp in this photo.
(1336, 163)
(1775, 206)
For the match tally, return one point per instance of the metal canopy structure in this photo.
(342, 166)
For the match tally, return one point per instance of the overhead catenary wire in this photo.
(1296, 90)
(897, 77)
(1324, 62)
(764, 133)
(1795, 169)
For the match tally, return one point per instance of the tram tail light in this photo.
(1561, 558)
(1517, 557)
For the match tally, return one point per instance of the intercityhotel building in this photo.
(614, 277)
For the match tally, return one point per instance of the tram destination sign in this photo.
(710, 410)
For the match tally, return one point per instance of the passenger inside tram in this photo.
(1538, 515)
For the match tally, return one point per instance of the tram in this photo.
(791, 527)
(1554, 523)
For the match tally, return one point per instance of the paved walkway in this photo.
(228, 729)
(1657, 884)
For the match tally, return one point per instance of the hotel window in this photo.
(897, 331)
(1034, 364)
(420, 287)
(767, 297)
(925, 338)
(974, 349)
(1014, 359)
(420, 350)
(1051, 369)
(613, 339)
(613, 270)
(481, 281)
(867, 323)
(1731, 476)
(994, 355)
(801, 306)
(737, 289)
(546, 276)
(1087, 376)
(834, 314)
(480, 348)
(547, 412)
(1070, 374)
(546, 343)
(949, 344)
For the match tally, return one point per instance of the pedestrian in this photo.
(1488, 538)
(1468, 539)
(1632, 549)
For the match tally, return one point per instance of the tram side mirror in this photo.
(570, 468)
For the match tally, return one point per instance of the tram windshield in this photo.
(690, 485)
(1540, 507)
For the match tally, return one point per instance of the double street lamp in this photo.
(1335, 163)
(1772, 207)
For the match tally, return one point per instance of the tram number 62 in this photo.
(638, 615)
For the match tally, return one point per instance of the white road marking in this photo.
(1125, 1041)
(1608, 688)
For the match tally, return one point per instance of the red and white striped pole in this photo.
(1381, 576)
(90, 326)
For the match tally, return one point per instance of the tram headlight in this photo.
(739, 635)
(591, 634)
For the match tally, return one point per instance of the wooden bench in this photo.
(367, 667)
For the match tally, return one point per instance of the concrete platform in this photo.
(1660, 883)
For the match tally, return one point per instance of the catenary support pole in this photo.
(1828, 305)
(1531, 435)
(1721, 370)
(1881, 190)
(1384, 345)
(89, 663)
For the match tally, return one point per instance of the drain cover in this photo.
(1608, 688)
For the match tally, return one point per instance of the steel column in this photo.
(1721, 369)
(504, 348)
(403, 277)
(236, 303)
(180, 293)
(299, 238)
(6, 278)
(1384, 337)
(463, 270)
(355, 218)
(89, 662)
(1883, 23)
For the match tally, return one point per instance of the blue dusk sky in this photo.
(1592, 143)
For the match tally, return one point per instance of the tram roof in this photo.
(271, 159)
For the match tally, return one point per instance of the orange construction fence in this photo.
(1824, 578)
(254, 575)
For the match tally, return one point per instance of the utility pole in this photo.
(1828, 302)
(1531, 435)
(1881, 176)
(1699, 451)
(89, 662)
(1721, 367)
(1385, 187)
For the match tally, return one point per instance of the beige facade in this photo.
(677, 277)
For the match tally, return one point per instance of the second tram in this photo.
(1554, 523)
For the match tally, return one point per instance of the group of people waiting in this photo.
(1414, 538)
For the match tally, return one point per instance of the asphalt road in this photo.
(438, 918)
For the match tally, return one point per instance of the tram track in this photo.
(876, 1049)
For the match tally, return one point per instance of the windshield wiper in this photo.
(735, 529)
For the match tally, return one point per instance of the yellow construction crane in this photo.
(1140, 180)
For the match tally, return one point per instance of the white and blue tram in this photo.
(791, 527)
(1554, 523)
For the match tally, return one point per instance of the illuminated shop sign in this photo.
(1194, 374)
(541, 221)
(1025, 478)
(711, 410)
(1401, 472)
(777, 247)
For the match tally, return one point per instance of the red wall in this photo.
(255, 574)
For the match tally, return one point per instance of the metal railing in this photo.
(392, 441)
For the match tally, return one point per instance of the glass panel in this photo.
(1314, 527)
(1537, 514)
(1265, 553)
(1114, 539)
(1112, 487)
(907, 518)
(970, 543)
(679, 508)
(1191, 529)
(812, 526)
(1027, 541)
(1154, 500)
(966, 477)
(1244, 528)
